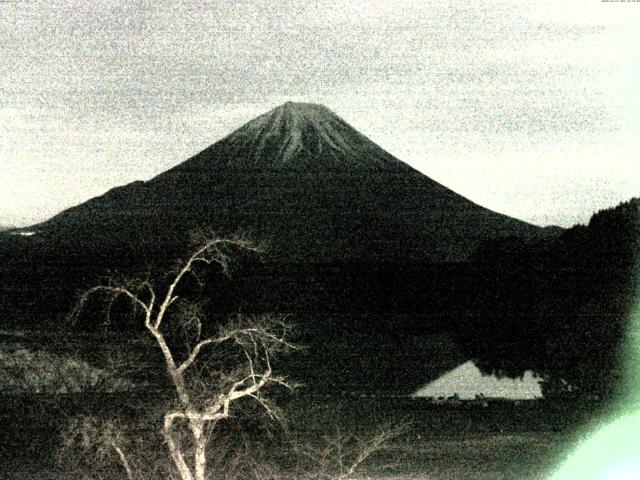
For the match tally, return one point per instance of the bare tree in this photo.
(98, 438)
(340, 456)
(204, 396)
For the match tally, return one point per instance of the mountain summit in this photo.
(305, 182)
(300, 136)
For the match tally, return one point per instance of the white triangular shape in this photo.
(467, 382)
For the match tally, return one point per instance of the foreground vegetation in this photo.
(132, 410)
(42, 433)
(501, 441)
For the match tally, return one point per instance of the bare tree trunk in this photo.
(200, 440)
(172, 370)
(174, 450)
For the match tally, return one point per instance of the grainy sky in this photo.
(527, 107)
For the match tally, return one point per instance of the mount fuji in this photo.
(306, 183)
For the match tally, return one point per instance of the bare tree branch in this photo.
(339, 457)
(257, 339)
(115, 291)
(194, 353)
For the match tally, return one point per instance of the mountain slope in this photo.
(306, 183)
(357, 242)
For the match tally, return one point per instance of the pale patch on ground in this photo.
(467, 381)
(26, 371)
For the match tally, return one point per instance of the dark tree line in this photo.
(560, 307)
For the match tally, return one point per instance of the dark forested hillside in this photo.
(559, 306)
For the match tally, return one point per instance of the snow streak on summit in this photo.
(302, 136)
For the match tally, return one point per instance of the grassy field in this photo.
(500, 441)
(496, 441)
(504, 440)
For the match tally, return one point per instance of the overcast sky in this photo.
(530, 108)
